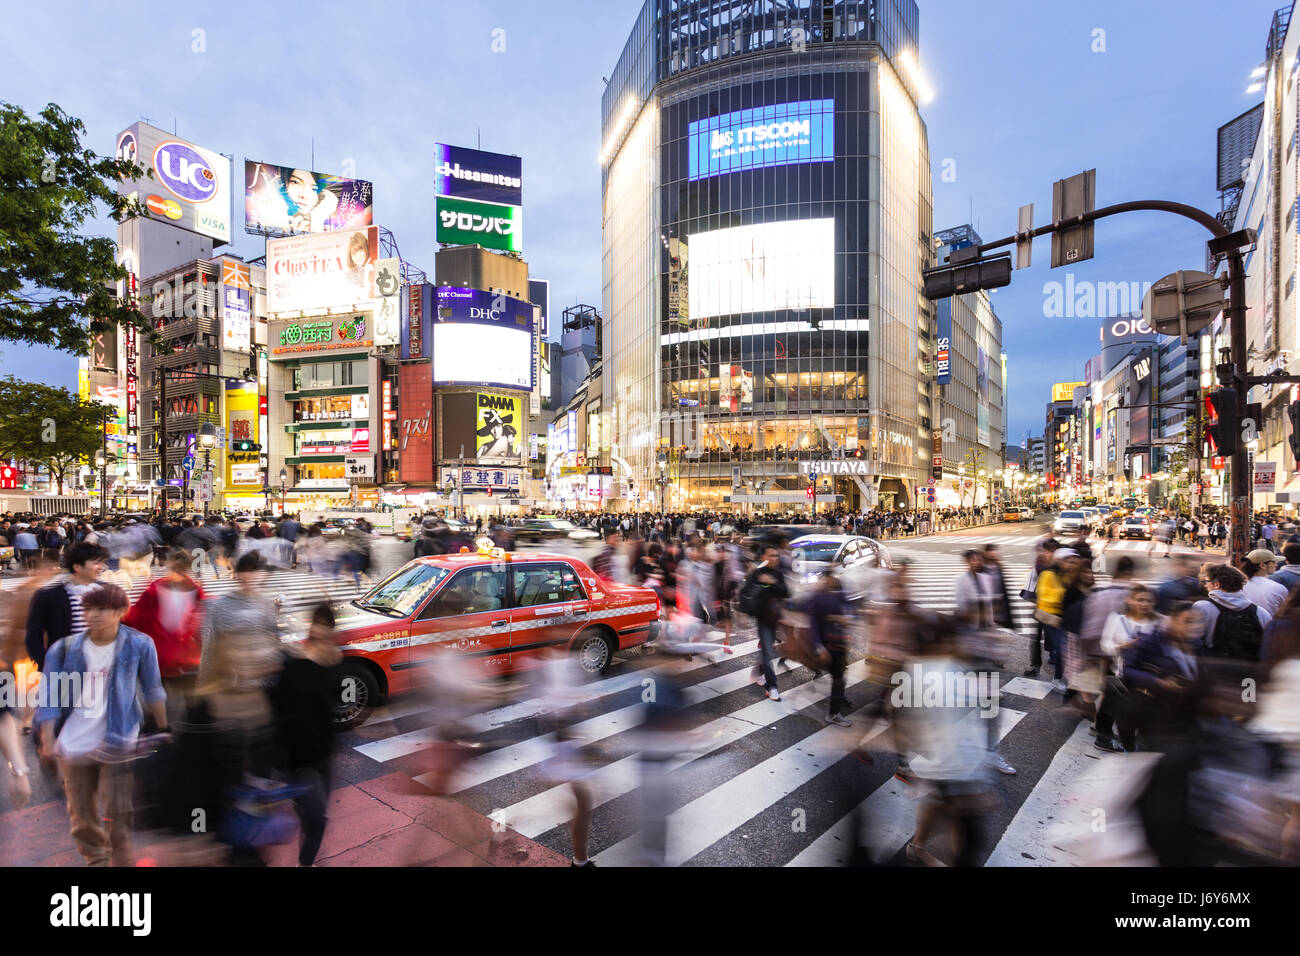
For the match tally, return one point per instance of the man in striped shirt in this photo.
(56, 608)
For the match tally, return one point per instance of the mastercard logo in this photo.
(164, 207)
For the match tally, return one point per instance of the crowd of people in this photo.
(179, 703)
(235, 721)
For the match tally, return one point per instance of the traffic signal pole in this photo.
(1228, 244)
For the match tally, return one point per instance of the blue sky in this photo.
(1021, 99)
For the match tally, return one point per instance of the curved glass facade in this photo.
(789, 210)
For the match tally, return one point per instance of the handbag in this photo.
(1030, 591)
(261, 813)
(1050, 620)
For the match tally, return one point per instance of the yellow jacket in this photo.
(1051, 592)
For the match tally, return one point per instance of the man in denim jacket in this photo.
(89, 715)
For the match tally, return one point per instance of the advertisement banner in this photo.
(471, 479)
(103, 350)
(483, 338)
(736, 388)
(414, 423)
(1141, 379)
(463, 173)
(330, 270)
(497, 424)
(982, 397)
(242, 471)
(416, 332)
(388, 289)
(236, 319)
(678, 283)
(1064, 391)
(284, 201)
(762, 268)
(776, 135)
(191, 186)
(287, 338)
(1265, 477)
(943, 342)
(465, 222)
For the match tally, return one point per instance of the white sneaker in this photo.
(1060, 686)
(999, 763)
(838, 720)
(773, 694)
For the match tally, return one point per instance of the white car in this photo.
(1070, 522)
(1093, 516)
(856, 560)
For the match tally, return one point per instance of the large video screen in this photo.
(802, 132)
(474, 353)
(762, 268)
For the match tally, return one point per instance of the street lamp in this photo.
(207, 438)
(284, 482)
(101, 460)
(663, 484)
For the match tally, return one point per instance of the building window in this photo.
(1290, 285)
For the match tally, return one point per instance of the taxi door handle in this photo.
(500, 623)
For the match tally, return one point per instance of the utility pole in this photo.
(162, 437)
(967, 271)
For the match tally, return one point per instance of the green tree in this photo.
(49, 426)
(56, 285)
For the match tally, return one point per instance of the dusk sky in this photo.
(1020, 99)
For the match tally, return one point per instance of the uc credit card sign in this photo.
(776, 135)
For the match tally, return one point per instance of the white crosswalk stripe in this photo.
(297, 590)
(753, 753)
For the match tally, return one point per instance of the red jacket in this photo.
(178, 651)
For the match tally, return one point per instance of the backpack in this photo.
(1237, 633)
(52, 539)
(749, 598)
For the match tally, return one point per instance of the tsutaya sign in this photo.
(846, 466)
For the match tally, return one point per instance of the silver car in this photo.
(856, 560)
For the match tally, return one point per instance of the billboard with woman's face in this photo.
(284, 201)
(334, 270)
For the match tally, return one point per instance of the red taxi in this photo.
(495, 608)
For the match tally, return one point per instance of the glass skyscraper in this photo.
(766, 217)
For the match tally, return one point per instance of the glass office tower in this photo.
(767, 215)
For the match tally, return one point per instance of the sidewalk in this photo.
(387, 821)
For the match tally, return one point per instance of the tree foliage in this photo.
(57, 286)
(45, 425)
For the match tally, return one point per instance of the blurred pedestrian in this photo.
(170, 611)
(305, 697)
(90, 733)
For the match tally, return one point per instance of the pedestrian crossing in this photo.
(749, 781)
(296, 589)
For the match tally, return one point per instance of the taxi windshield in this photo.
(401, 592)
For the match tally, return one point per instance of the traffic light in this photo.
(1224, 432)
(967, 273)
(812, 490)
(243, 444)
(1293, 412)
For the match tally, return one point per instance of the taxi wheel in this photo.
(358, 694)
(594, 652)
